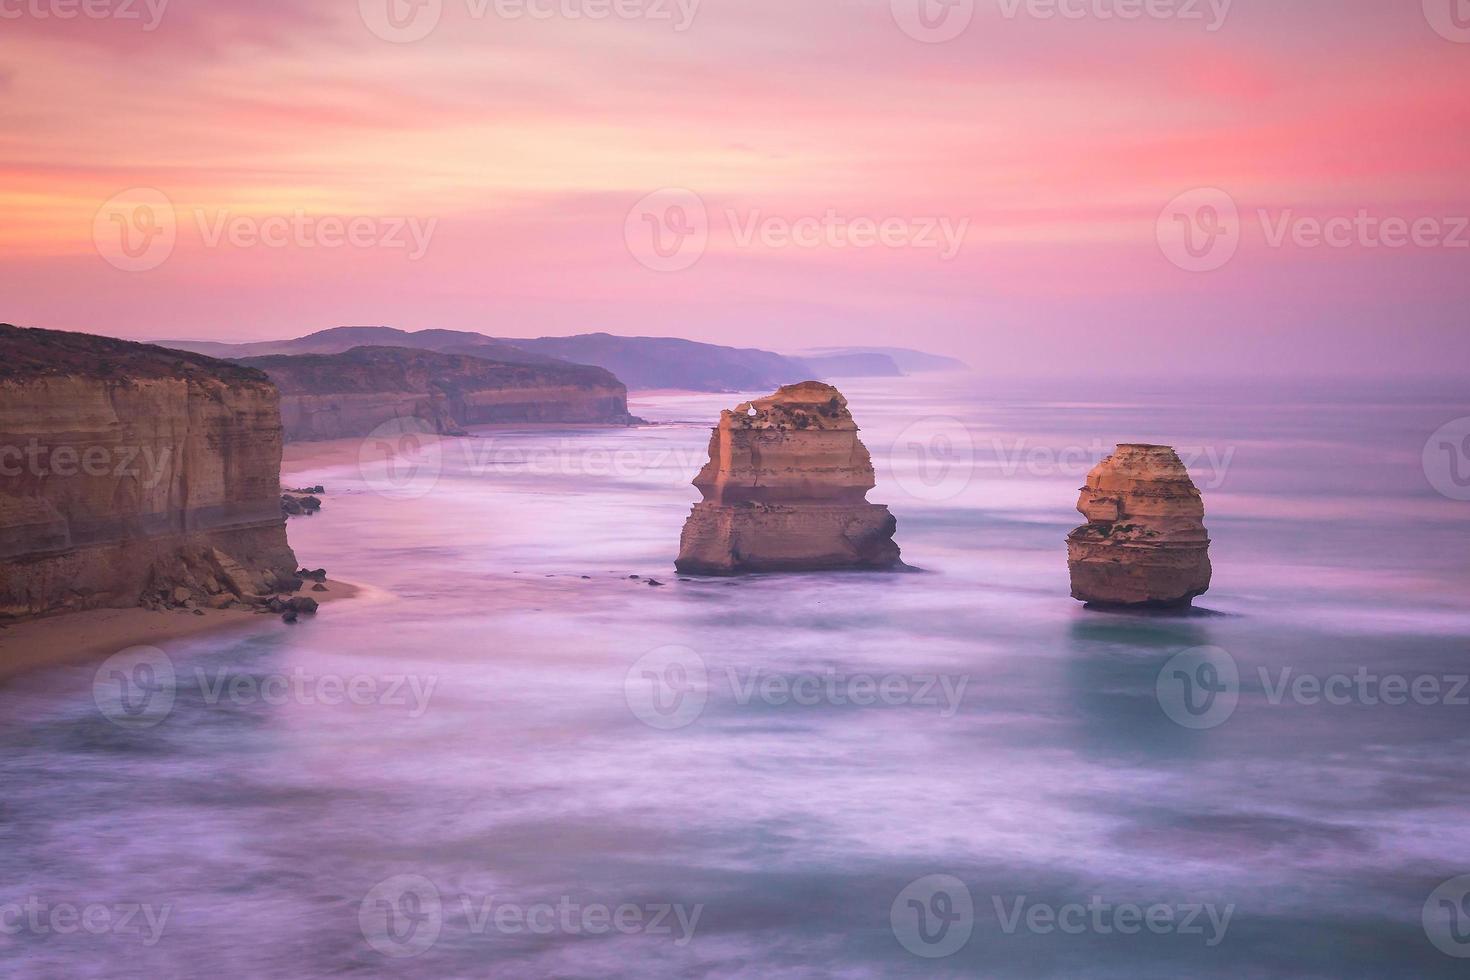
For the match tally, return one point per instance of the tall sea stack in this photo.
(1145, 543)
(785, 490)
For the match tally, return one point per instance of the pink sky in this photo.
(518, 146)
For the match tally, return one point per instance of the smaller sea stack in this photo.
(1145, 543)
(785, 490)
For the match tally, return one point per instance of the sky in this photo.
(1186, 187)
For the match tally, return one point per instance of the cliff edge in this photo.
(134, 474)
(335, 396)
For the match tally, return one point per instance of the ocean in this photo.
(511, 758)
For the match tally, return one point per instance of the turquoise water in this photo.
(552, 769)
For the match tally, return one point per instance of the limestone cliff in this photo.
(333, 396)
(129, 471)
(785, 489)
(1145, 543)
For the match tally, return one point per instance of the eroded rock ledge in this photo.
(785, 490)
(130, 472)
(1145, 543)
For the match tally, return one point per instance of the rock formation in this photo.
(785, 489)
(334, 396)
(1145, 542)
(131, 473)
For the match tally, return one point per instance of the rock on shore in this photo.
(1145, 543)
(131, 473)
(785, 490)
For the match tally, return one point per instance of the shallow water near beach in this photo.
(514, 759)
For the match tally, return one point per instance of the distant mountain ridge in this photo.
(638, 362)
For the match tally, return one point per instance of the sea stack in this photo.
(785, 490)
(1145, 543)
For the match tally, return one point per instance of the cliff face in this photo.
(350, 394)
(129, 471)
(785, 489)
(1145, 543)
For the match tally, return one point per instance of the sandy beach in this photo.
(98, 633)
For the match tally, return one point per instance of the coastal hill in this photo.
(144, 475)
(332, 396)
(668, 362)
(906, 360)
(639, 362)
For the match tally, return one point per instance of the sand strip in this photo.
(97, 634)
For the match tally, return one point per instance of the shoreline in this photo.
(95, 634)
